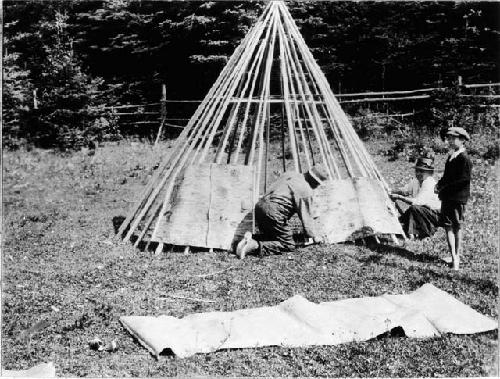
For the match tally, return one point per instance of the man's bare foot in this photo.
(251, 247)
(240, 251)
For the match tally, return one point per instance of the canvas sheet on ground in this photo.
(426, 312)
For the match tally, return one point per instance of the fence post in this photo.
(163, 112)
(35, 99)
(163, 101)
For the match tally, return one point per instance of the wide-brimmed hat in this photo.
(425, 164)
(318, 173)
(458, 132)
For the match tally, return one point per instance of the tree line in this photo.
(82, 55)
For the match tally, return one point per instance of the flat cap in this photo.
(458, 132)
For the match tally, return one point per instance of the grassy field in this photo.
(61, 264)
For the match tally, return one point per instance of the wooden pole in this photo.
(163, 112)
(160, 129)
(310, 108)
(163, 101)
(283, 135)
(265, 94)
(330, 99)
(346, 127)
(251, 152)
(286, 98)
(294, 90)
(266, 157)
(296, 116)
(304, 93)
(258, 60)
(35, 99)
(241, 91)
(220, 106)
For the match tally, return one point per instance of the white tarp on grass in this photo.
(426, 312)
(43, 370)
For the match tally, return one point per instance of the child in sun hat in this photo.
(421, 219)
(453, 190)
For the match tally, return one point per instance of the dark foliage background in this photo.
(82, 55)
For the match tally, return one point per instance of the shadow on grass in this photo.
(404, 253)
(117, 222)
(482, 285)
(142, 245)
(429, 274)
(396, 332)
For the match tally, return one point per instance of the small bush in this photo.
(492, 152)
(369, 124)
(485, 146)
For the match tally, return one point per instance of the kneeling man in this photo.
(292, 193)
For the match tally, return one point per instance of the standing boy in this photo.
(454, 190)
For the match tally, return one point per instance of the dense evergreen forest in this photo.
(79, 55)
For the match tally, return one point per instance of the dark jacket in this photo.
(291, 194)
(455, 183)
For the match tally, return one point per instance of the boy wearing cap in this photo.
(292, 193)
(421, 219)
(453, 190)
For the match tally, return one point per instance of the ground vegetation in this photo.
(67, 281)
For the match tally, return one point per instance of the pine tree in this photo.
(67, 116)
(15, 97)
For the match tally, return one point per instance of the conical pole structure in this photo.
(194, 135)
(233, 124)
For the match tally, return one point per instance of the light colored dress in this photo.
(423, 194)
(421, 219)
